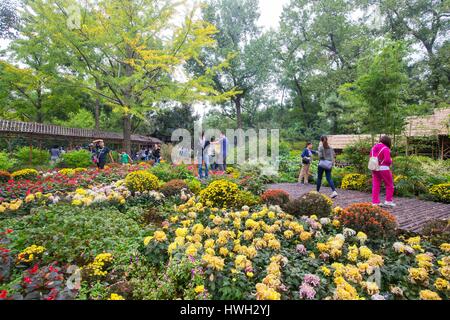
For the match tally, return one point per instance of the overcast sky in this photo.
(271, 12)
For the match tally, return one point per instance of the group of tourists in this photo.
(211, 154)
(379, 164)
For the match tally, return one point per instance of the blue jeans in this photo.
(200, 166)
(327, 175)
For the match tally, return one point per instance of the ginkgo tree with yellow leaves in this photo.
(131, 53)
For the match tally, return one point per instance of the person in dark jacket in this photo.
(306, 163)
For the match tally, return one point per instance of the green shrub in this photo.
(194, 185)
(357, 155)
(77, 235)
(140, 181)
(167, 172)
(39, 157)
(310, 203)
(246, 198)
(6, 162)
(76, 159)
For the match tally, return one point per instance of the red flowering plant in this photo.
(275, 197)
(44, 283)
(374, 221)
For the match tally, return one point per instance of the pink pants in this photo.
(386, 177)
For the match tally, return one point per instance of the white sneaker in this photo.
(389, 204)
(334, 195)
(376, 204)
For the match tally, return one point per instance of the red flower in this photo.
(34, 269)
(27, 280)
(9, 231)
(3, 294)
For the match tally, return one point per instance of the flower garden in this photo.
(156, 232)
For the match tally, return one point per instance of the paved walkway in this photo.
(411, 214)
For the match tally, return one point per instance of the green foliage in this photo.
(194, 185)
(166, 172)
(6, 161)
(357, 155)
(76, 235)
(379, 88)
(39, 157)
(311, 203)
(76, 159)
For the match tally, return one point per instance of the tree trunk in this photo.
(39, 115)
(237, 102)
(97, 108)
(127, 133)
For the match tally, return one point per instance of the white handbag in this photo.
(374, 162)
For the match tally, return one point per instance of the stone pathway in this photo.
(411, 213)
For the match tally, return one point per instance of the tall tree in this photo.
(240, 41)
(132, 50)
(379, 89)
(427, 23)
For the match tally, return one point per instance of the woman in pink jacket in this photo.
(383, 152)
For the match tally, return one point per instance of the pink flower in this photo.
(307, 292)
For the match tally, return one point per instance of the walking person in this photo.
(54, 154)
(306, 163)
(102, 153)
(381, 155)
(125, 158)
(157, 153)
(212, 154)
(326, 156)
(202, 155)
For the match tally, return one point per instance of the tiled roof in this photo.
(53, 130)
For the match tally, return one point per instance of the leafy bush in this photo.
(254, 184)
(141, 180)
(167, 172)
(4, 176)
(77, 235)
(406, 186)
(39, 157)
(221, 194)
(6, 162)
(441, 192)
(275, 197)
(194, 185)
(173, 187)
(310, 203)
(76, 159)
(357, 155)
(374, 221)
(25, 174)
(246, 198)
(437, 230)
(354, 181)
